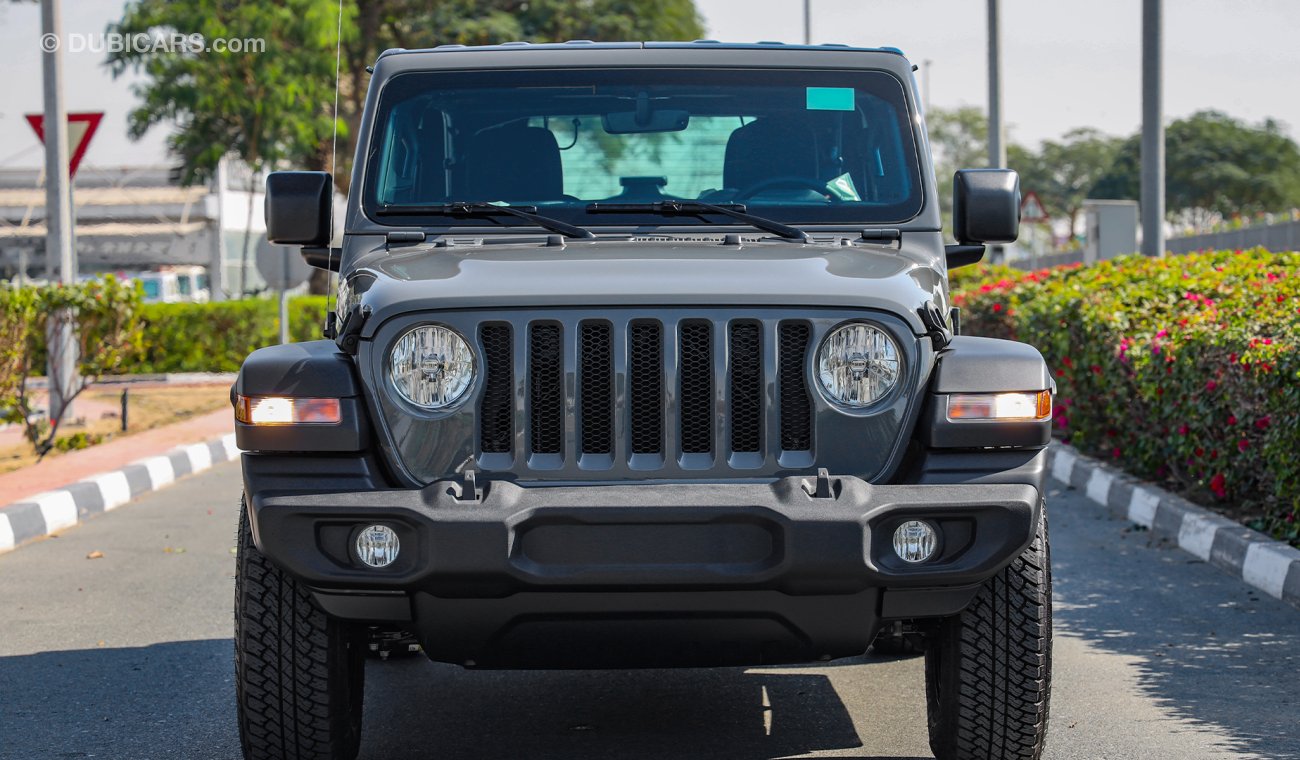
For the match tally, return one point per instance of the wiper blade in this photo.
(481, 208)
(697, 208)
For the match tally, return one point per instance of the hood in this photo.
(667, 273)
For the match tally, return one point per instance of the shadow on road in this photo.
(176, 700)
(1230, 665)
(418, 709)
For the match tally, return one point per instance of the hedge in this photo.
(215, 337)
(1183, 369)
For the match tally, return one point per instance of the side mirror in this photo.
(986, 206)
(298, 206)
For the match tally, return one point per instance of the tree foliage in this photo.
(1215, 165)
(262, 107)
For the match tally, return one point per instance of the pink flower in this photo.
(1162, 334)
(1232, 419)
(1243, 444)
(1182, 429)
(1210, 385)
(1263, 422)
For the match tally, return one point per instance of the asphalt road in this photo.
(129, 656)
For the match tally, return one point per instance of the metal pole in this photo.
(61, 365)
(284, 295)
(807, 22)
(1153, 133)
(997, 149)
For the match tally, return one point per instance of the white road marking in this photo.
(767, 713)
(1099, 484)
(1142, 506)
(1196, 534)
(1063, 465)
(58, 508)
(1266, 566)
(113, 488)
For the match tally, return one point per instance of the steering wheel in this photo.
(767, 184)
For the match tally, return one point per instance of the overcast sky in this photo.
(1066, 63)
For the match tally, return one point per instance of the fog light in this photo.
(377, 545)
(915, 541)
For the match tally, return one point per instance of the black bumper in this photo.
(648, 574)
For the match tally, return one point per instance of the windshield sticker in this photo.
(830, 98)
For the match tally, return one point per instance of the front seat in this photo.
(768, 148)
(513, 163)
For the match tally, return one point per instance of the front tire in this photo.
(299, 675)
(988, 671)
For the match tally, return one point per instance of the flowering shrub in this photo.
(1184, 369)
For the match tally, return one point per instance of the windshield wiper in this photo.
(698, 208)
(480, 208)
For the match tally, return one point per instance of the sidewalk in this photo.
(58, 471)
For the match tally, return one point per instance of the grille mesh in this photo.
(645, 387)
(496, 416)
(746, 362)
(546, 386)
(596, 391)
(696, 387)
(796, 405)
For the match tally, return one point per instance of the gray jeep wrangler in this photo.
(643, 356)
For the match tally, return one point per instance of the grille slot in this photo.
(695, 390)
(645, 387)
(796, 404)
(596, 387)
(496, 411)
(746, 379)
(546, 387)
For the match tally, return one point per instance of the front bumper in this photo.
(648, 574)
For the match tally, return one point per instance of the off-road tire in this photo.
(298, 674)
(988, 671)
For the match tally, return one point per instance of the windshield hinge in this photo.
(350, 332)
(888, 235)
(932, 318)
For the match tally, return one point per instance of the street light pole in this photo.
(60, 254)
(1153, 133)
(807, 22)
(925, 83)
(997, 148)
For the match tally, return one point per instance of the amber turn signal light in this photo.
(280, 410)
(1000, 406)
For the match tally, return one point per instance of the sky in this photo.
(1066, 63)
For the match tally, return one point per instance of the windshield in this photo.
(792, 145)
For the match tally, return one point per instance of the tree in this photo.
(1065, 172)
(1215, 166)
(382, 24)
(263, 106)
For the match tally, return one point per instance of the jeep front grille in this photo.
(686, 394)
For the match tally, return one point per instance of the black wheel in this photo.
(894, 641)
(988, 671)
(298, 674)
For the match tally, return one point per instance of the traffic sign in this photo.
(1032, 209)
(281, 266)
(81, 127)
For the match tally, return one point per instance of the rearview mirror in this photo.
(298, 208)
(634, 122)
(986, 206)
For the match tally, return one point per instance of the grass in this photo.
(148, 408)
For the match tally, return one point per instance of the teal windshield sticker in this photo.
(830, 98)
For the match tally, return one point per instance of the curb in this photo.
(52, 511)
(1269, 565)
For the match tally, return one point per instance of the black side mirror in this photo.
(298, 206)
(986, 206)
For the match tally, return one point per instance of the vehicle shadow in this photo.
(417, 709)
(176, 700)
(1230, 666)
(169, 700)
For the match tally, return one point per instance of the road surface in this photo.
(129, 656)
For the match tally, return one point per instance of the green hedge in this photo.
(1183, 369)
(215, 337)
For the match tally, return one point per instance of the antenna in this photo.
(334, 150)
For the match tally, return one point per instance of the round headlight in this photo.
(431, 366)
(857, 365)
